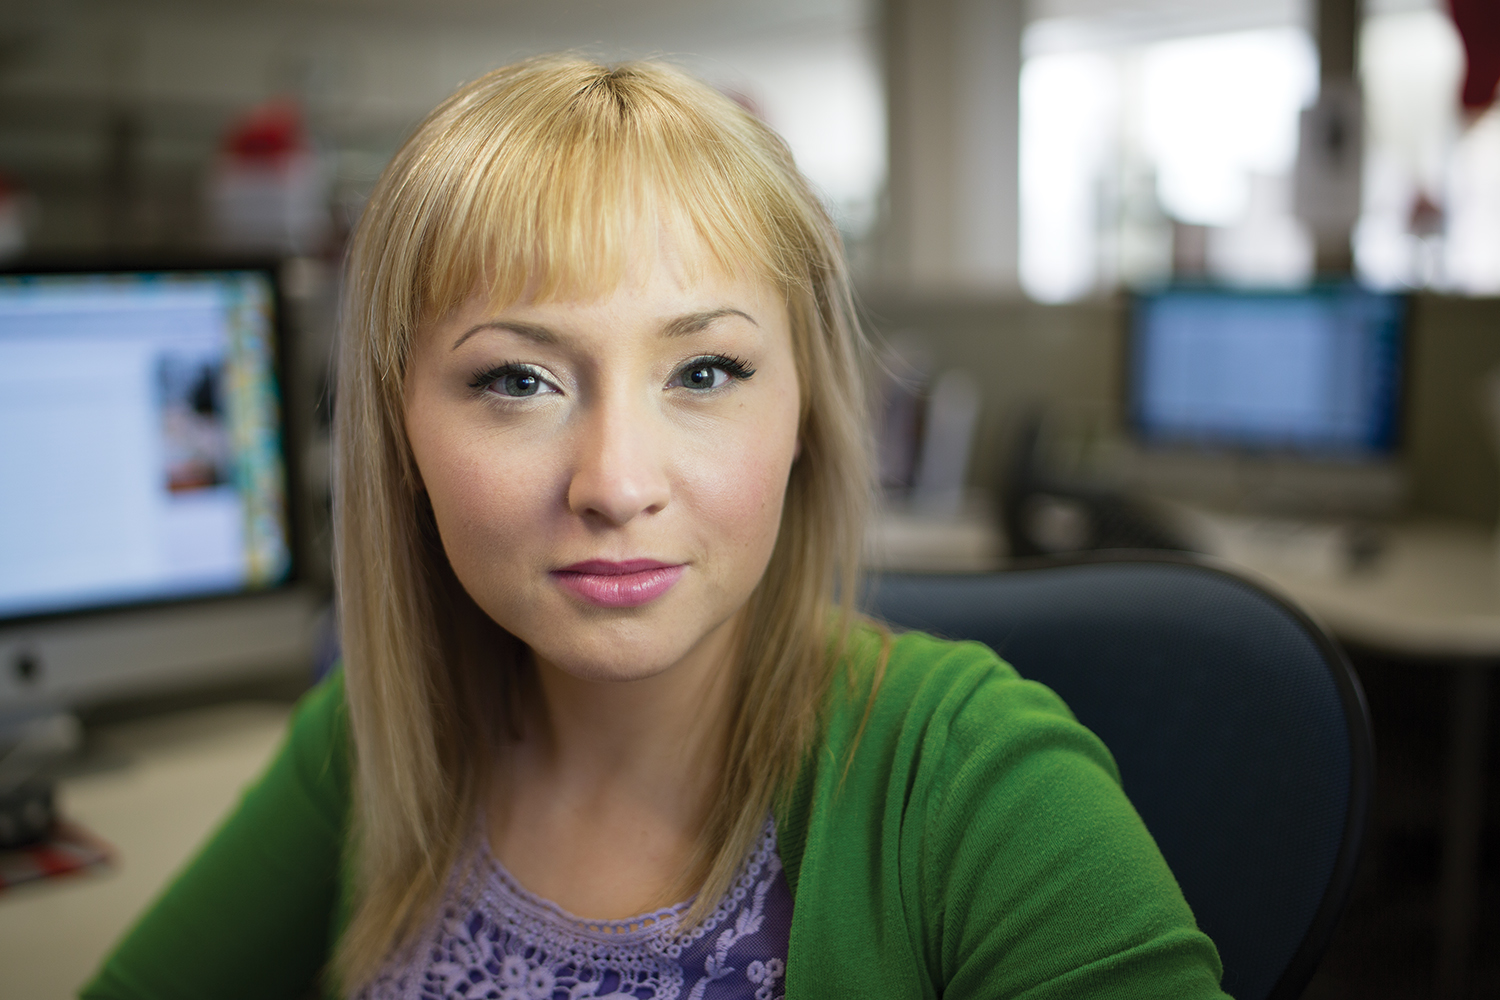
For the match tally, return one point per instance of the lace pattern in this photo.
(494, 939)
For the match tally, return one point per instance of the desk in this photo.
(155, 790)
(1431, 589)
(903, 540)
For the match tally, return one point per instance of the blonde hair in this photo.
(539, 177)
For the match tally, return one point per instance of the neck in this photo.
(600, 805)
(657, 741)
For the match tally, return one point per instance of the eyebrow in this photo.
(682, 326)
(539, 334)
(694, 322)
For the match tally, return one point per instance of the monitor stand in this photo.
(71, 662)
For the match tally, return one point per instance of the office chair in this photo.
(1240, 731)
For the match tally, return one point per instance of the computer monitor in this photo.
(1313, 374)
(145, 515)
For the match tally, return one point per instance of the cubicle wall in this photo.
(1451, 447)
(1024, 355)
(1068, 356)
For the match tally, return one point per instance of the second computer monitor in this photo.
(1315, 373)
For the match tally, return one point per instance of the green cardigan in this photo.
(977, 845)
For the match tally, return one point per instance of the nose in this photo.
(619, 470)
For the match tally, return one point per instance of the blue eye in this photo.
(518, 384)
(702, 374)
(512, 381)
(703, 377)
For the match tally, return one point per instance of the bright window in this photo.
(1144, 155)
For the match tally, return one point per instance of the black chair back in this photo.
(1239, 728)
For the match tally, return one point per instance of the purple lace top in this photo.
(492, 938)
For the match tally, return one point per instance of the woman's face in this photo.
(608, 474)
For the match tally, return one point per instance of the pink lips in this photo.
(626, 584)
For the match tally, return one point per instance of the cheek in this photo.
(739, 484)
(484, 494)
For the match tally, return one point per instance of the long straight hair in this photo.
(542, 178)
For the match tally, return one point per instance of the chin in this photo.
(611, 661)
(611, 645)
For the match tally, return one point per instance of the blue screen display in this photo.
(1316, 372)
(141, 437)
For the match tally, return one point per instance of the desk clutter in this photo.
(27, 814)
(64, 849)
(35, 842)
(145, 792)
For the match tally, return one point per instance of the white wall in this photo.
(952, 78)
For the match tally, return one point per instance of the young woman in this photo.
(603, 726)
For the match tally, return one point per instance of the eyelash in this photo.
(483, 378)
(736, 368)
(733, 367)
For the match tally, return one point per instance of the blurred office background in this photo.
(1004, 174)
(981, 157)
(1142, 134)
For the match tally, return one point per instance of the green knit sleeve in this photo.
(252, 915)
(1035, 876)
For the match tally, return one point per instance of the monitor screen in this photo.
(140, 434)
(1316, 372)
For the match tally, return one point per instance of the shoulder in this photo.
(318, 737)
(312, 771)
(322, 714)
(912, 658)
(916, 694)
(311, 774)
(926, 736)
(959, 818)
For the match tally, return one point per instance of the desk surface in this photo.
(162, 785)
(963, 541)
(1432, 589)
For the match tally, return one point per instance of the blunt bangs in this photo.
(548, 178)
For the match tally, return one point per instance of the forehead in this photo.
(670, 263)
